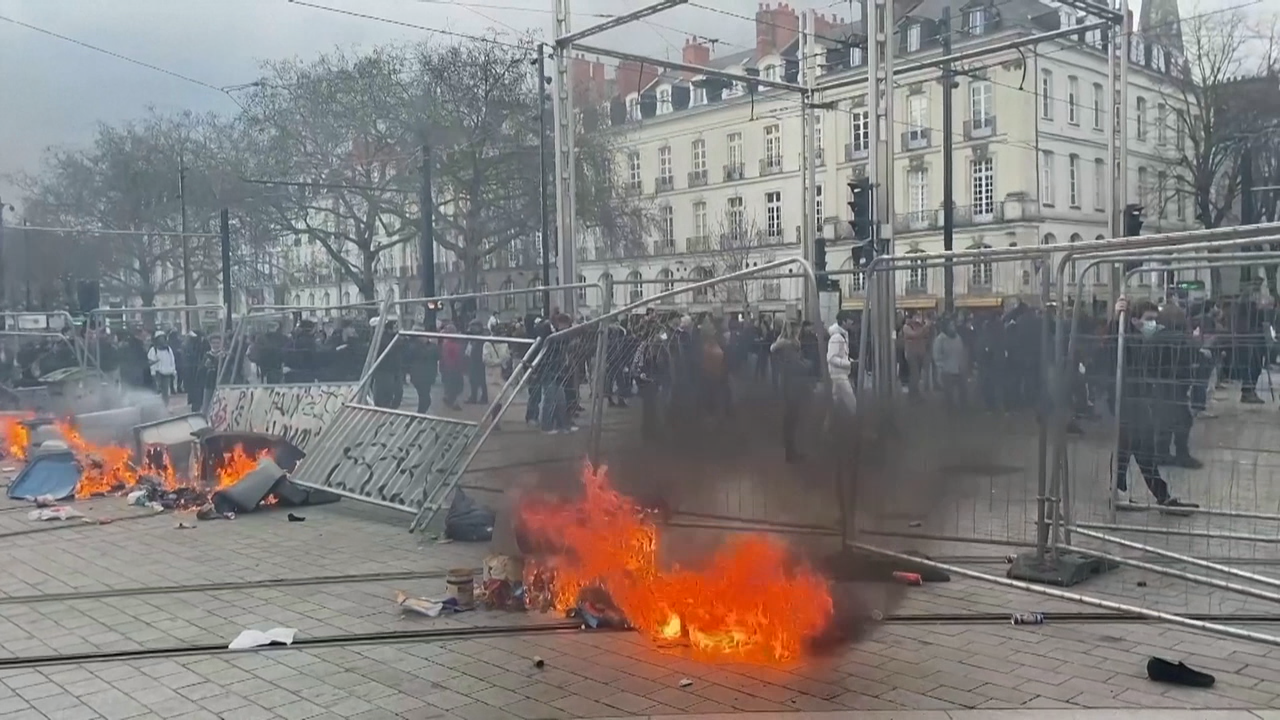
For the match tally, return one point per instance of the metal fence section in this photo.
(646, 381)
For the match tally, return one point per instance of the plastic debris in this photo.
(296, 518)
(538, 662)
(467, 520)
(1027, 618)
(686, 682)
(184, 526)
(426, 606)
(57, 512)
(137, 497)
(46, 501)
(257, 638)
(908, 578)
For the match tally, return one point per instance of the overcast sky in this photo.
(52, 92)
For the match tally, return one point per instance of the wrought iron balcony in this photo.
(980, 128)
(734, 171)
(697, 178)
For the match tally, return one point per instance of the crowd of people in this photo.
(684, 369)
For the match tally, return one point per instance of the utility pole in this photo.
(188, 288)
(808, 174)
(948, 167)
(543, 209)
(224, 231)
(26, 260)
(3, 268)
(427, 240)
(566, 165)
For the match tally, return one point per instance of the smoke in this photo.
(900, 464)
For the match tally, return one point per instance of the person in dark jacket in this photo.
(1149, 387)
(424, 365)
(388, 376)
(476, 377)
(269, 355)
(1180, 352)
(300, 354)
(796, 377)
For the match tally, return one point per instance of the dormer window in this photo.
(977, 20)
(913, 37)
(769, 72)
(633, 108)
(664, 101)
(698, 96)
(855, 56)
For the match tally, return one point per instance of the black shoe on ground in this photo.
(1164, 671)
(1174, 506)
(1252, 399)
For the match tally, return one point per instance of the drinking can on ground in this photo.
(1031, 618)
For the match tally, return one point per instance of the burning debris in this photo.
(237, 478)
(598, 558)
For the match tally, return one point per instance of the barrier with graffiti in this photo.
(297, 413)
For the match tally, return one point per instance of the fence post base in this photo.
(1063, 569)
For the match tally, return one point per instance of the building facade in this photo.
(722, 162)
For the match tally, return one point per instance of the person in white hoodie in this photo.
(839, 365)
(164, 367)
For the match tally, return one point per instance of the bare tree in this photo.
(740, 243)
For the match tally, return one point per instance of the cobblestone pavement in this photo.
(911, 667)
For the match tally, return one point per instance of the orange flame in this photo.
(750, 602)
(236, 463)
(16, 437)
(107, 469)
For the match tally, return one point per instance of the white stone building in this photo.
(1029, 154)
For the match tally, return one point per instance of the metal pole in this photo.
(543, 209)
(566, 170)
(224, 232)
(3, 267)
(1216, 567)
(948, 166)
(807, 167)
(1120, 116)
(188, 287)
(1076, 597)
(26, 261)
(427, 235)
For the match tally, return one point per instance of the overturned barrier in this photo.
(296, 413)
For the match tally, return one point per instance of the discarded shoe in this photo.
(296, 518)
(1164, 671)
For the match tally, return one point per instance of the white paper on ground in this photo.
(257, 638)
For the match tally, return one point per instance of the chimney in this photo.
(825, 27)
(776, 28)
(597, 81)
(580, 78)
(695, 53)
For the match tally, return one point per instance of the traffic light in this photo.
(860, 208)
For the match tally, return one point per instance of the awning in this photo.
(980, 301)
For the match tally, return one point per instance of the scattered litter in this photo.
(137, 497)
(8, 468)
(1011, 559)
(467, 520)
(427, 606)
(184, 526)
(155, 507)
(296, 518)
(914, 523)
(908, 578)
(685, 682)
(538, 662)
(596, 615)
(877, 615)
(502, 595)
(257, 638)
(504, 567)
(1027, 618)
(57, 512)
(46, 501)
(209, 512)
(1166, 671)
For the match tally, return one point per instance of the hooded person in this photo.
(839, 365)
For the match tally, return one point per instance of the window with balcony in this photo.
(634, 180)
(1073, 100)
(773, 215)
(701, 231)
(666, 176)
(667, 228)
(980, 274)
(769, 72)
(733, 143)
(917, 121)
(701, 274)
(508, 300)
(981, 108)
(1099, 184)
(772, 161)
(857, 283)
(1046, 94)
(1046, 178)
(635, 288)
(982, 187)
(1141, 119)
(914, 33)
(1073, 181)
(1097, 106)
(668, 280)
(818, 209)
(698, 151)
(918, 195)
(736, 214)
(859, 132)
(818, 121)
(633, 108)
(917, 275)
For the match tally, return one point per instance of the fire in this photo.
(751, 602)
(236, 463)
(107, 469)
(16, 437)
